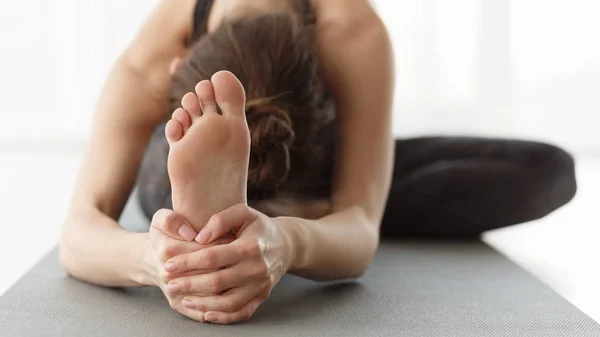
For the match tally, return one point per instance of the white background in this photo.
(526, 68)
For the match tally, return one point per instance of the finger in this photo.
(174, 249)
(176, 304)
(241, 315)
(191, 313)
(172, 275)
(217, 256)
(173, 225)
(168, 248)
(231, 219)
(231, 301)
(219, 281)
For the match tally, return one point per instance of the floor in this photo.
(561, 250)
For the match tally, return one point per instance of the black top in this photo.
(203, 8)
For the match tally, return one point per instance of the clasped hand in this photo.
(227, 271)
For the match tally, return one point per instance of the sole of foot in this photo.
(209, 151)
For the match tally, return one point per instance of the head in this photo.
(286, 106)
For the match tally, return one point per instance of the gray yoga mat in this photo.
(412, 289)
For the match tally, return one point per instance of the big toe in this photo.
(206, 96)
(229, 93)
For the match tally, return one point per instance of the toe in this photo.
(173, 131)
(191, 104)
(182, 117)
(206, 96)
(229, 93)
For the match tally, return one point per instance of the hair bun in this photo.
(271, 137)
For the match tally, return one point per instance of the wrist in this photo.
(144, 274)
(296, 237)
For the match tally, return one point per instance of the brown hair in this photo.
(287, 106)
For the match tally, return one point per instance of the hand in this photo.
(169, 236)
(248, 268)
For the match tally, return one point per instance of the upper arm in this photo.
(164, 36)
(356, 56)
(133, 102)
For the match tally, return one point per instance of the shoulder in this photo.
(343, 22)
(343, 9)
(347, 17)
(165, 33)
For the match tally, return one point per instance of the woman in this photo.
(286, 169)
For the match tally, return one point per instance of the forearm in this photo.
(358, 62)
(94, 248)
(340, 245)
(134, 100)
(356, 55)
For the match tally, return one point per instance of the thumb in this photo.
(173, 225)
(231, 219)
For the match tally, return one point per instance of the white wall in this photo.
(527, 68)
(556, 57)
(54, 57)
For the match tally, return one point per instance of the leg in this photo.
(461, 187)
(200, 168)
(208, 151)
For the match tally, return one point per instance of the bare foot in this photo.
(209, 152)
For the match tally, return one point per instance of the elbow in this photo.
(67, 264)
(362, 268)
(368, 253)
(70, 252)
(66, 251)
(65, 257)
(359, 272)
